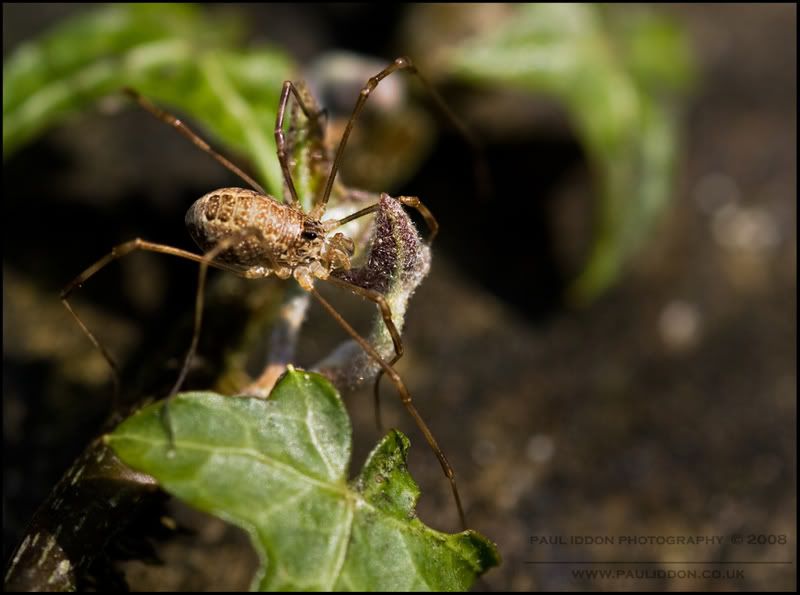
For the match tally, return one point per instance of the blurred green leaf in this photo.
(622, 80)
(175, 54)
(277, 468)
(655, 52)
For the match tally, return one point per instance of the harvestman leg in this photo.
(378, 298)
(405, 396)
(409, 201)
(178, 125)
(386, 313)
(139, 244)
(317, 212)
(280, 137)
(401, 63)
(116, 253)
(205, 261)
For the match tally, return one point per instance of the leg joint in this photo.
(370, 86)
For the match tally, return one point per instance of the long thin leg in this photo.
(386, 314)
(405, 397)
(433, 225)
(409, 201)
(280, 137)
(116, 253)
(401, 63)
(171, 120)
(205, 261)
(332, 224)
(430, 220)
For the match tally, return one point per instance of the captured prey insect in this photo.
(251, 234)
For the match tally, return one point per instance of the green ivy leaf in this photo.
(278, 469)
(175, 54)
(622, 81)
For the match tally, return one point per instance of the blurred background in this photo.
(606, 343)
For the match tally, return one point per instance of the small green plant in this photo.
(278, 469)
(282, 475)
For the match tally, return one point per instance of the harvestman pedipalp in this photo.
(252, 235)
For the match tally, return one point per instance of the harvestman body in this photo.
(251, 234)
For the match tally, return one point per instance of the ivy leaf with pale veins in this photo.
(278, 469)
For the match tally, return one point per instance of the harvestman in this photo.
(252, 235)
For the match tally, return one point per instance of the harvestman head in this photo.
(253, 235)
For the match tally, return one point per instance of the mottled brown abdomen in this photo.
(227, 211)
